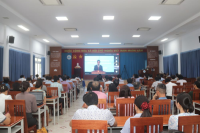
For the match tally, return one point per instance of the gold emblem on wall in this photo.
(80, 56)
(74, 57)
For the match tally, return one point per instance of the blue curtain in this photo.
(43, 65)
(190, 63)
(33, 66)
(19, 63)
(67, 64)
(1, 63)
(170, 64)
(133, 63)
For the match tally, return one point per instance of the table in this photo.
(196, 102)
(55, 100)
(64, 95)
(13, 127)
(39, 112)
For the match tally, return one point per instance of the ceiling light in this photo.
(5, 18)
(143, 29)
(62, 18)
(115, 43)
(128, 43)
(45, 40)
(154, 17)
(74, 36)
(93, 43)
(108, 17)
(136, 35)
(70, 29)
(51, 2)
(79, 43)
(105, 35)
(171, 2)
(22, 27)
(164, 40)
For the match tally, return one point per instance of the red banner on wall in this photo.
(103, 50)
(77, 58)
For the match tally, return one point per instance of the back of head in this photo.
(64, 78)
(125, 91)
(38, 83)
(107, 78)
(161, 88)
(167, 80)
(173, 76)
(180, 77)
(119, 76)
(100, 77)
(21, 76)
(197, 83)
(90, 98)
(129, 80)
(37, 75)
(95, 86)
(150, 75)
(157, 78)
(161, 75)
(28, 79)
(73, 76)
(47, 77)
(56, 78)
(110, 78)
(140, 75)
(96, 79)
(116, 82)
(136, 76)
(89, 86)
(68, 77)
(6, 80)
(185, 101)
(3, 88)
(112, 88)
(24, 86)
(43, 76)
(16, 86)
(136, 85)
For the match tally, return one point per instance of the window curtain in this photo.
(43, 66)
(1, 63)
(67, 64)
(190, 63)
(33, 66)
(133, 62)
(19, 63)
(170, 64)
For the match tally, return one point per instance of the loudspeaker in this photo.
(48, 53)
(11, 39)
(160, 52)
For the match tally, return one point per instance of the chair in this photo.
(178, 84)
(188, 124)
(13, 94)
(131, 88)
(137, 93)
(120, 85)
(112, 96)
(18, 108)
(47, 85)
(143, 123)
(65, 88)
(177, 89)
(83, 125)
(160, 107)
(32, 88)
(102, 103)
(125, 106)
(196, 94)
(188, 88)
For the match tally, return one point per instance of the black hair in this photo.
(110, 78)
(136, 85)
(64, 78)
(96, 79)
(90, 98)
(173, 77)
(16, 86)
(161, 88)
(129, 80)
(68, 77)
(119, 76)
(6, 80)
(198, 78)
(98, 60)
(24, 86)
(136, 76)
(28, 79)
(95, 86)
(89, 86)
(157, 78)
(43, 76)
(125, 91)
(21, 76)
(100, 77)
(73, 76)
(47, 77)
(167, 80)
(140, 75)
(3, 88)
(112, 88)
(150, 75)
(161, 75)
(116, 82)
(39, 83)
(107, 77)
(180, 77)
(59, 76)
(197, 83)
(177, 75)
(55, 78)
(37, 75)
(185, 101)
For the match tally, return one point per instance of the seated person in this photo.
(137, 86)
(162, 77)
(43, 77)
(5, 119)
(48, 80)
(4, 96)
(60, 78)
(16, 86)
(185, 105)
(30, 82)
(181, 80)
(96, 89)
(100, 77)
(142, 108)
(92, 112)
(5, 81)
(22, 78)
(112, 88)
(30, 101)
(169, 86)
(108, 81)
(150, 77)
(155, 83)
(173, 78)
(129, 81)
(138, 78)
(96, 79)
(36, 77)
(120, 79)
(89, 86)
(196, 86)
(116, 82)
(64, 82)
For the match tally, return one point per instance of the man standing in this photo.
(98, 67)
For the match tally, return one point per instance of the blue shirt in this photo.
(8, 85)
(129, 85)
(163, 98)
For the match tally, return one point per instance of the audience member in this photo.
(43, 77)
(60, 78)
(150, 77)
(36, 77)
(112, 88)
(6, 81)
(44, 88)
(96, 79)
(125, 92)
(4, 96)
(169, 86)
(162, 77)
(196, 86)
(116, 82)
(68, 85)
(89, 86)
(130, 82)
(22, 78)
(96, 89)
(120, 79)
(140, 77)
(5, 119)
(48, 80)
(173, 78)
(137, 86)
(181, 80)
(30, 81)
(16, 86)
(108, 81)
(155, 83)
(68, 80)
(177, 77)
(185, 105)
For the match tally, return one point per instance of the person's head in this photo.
(137, 85)
(129, 80)
(43, 76)
(73, 76)
(184, 103)
(89, 86)
(68, 77)
(64, 78)
(136, 76)
(167, 80)
(37, 75)
(177, 75)
(47, 77)
(98, 62)
(110, 78)
(161, 75)
(116, 82)
(107, 78)
(142, 105)
(59, 76)
(173, 76)
(197, 84)
(150, 75)
(112, 88)
(146, 76)
(161, 90)
(100, 77)
(90, 98)
(16, 86)
(38, 84)
(125, 91)
(180, 77)
(95, 86)
(28, 79)
(24, 87)
(157, 78)
(140, 75)
(96, 79)
(4, 89)
(6, 80)
(198, 78)
(119, 76)
(50, 77)
(56, 79)
(21, 76)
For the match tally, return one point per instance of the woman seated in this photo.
(112, 88)
(142, 110)
(184, 104)
(5, 119)
(89, 86)
(31, 104)
(4, 96)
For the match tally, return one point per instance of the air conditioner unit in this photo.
(51, 2)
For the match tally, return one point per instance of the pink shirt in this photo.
(68, 86)
(100, 95)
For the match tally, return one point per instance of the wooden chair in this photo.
(137, 93)
(188, 83)
(125, 106)
(18, 108)
(13, 94)
(196, 94)
(112, 96)
(131, 88)
(65, 88)
(188, 124)
(143, 123)
(177, 89)
(32, 88)
(19, 82)
(188, 88)
(160, 107)
(83, 125)
(47, 85)
(178, 84)
(102, 103)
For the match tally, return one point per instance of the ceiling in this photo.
(87, 17)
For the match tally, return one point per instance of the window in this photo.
(38, 67)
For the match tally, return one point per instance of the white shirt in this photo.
(121, 81)
(155, 84)
(2, 117)
(48, 82)
(162, 79)
(94, 113)
(150, 78)
(3, 97)
(169, 87)
(22, 79)
(31, 85)
(173, 80)
(181, 81)
(138, 79)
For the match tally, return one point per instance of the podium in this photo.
(98, 72)
(77, 71)
(145, 71)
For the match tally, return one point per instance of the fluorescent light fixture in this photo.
(105, 35)
(51, 2)
(62, 18)
(74, 36)
(164, 40)
(143, 29)
(154, 17)
(171, 2)
(115, 43)
(70, 29)
(45, 40)
(136, 35)
(108, 17)
(22, 27)
(93, 43)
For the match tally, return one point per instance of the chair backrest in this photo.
(149, 123)
(188, 83)
(160, 107)
(52, 91)
(17, 108)
(13, 93)
(47, 85)
(125, 106)
(189, 124)
(43, 83)
(188, 88)
(196, 94)
(173, 82)
(65, 87)
(102, 104)
(178, 84)
(177, 89)
(32, 88)
(71, 84)
(137, 93)
(132, 88)
(112, 96)
(19, 82)
(92, 125)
